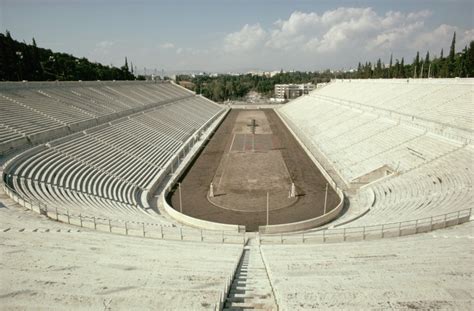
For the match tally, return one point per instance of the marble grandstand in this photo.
(401, 150)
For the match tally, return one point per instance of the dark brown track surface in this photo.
(310, 183)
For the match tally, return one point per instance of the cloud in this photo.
(246, 39)
(167, 45)
(105, 44)
(430, 40)
(339, 38)
(344, 28)
(102, 49)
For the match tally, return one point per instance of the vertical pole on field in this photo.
(211, 190)
(180, 199)
(325, 199)
(429, 70)
(268, 204)
(292, 190)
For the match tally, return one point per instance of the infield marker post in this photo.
(180, 199)
(268, 199)
(325, 199)
(292, 190)
(211, 190)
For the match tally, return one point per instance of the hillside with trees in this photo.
(21, 61)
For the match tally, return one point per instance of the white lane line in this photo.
(232, 144)
(224, 163)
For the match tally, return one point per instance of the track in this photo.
(310, 183)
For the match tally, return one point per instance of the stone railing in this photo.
(132, 228)
(371, 232)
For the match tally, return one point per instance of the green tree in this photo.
(451, 58)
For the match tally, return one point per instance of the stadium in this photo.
(138, 195)
(118, 166)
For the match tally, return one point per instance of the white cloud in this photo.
(246, 39)
(339, 38)
(430, 40)
(105, 44)
(167, 45)
(103, 50)
(359, 28)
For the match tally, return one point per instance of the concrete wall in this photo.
(13, 145)
(306, 224)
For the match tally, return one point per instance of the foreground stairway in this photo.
(251, 289)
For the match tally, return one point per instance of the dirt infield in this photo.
(251, 167)
(245, 204)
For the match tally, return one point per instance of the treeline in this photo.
(21, 61)
(225, 87)
(459, 64)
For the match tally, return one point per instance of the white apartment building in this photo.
(290, 91)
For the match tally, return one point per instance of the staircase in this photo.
(251, 288)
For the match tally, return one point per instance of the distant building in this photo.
(290, 91)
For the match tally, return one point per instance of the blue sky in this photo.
(239, 35)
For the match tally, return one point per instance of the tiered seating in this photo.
(45, 108)
(23, 119)
(442, 186)
(103, 171)
(426, 271)
(430, 174)
(80, 269)
(359, 142)
(446, 101)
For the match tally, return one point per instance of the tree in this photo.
(451, 61)
(416, 64)
(390, 66)
(402, 68)
(470, 60)
(427, 63)
(19, 60)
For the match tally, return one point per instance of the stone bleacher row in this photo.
(445, 101)
(38, 110)
(432, 174)
(102, 171)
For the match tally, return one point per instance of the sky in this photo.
(240, 35)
